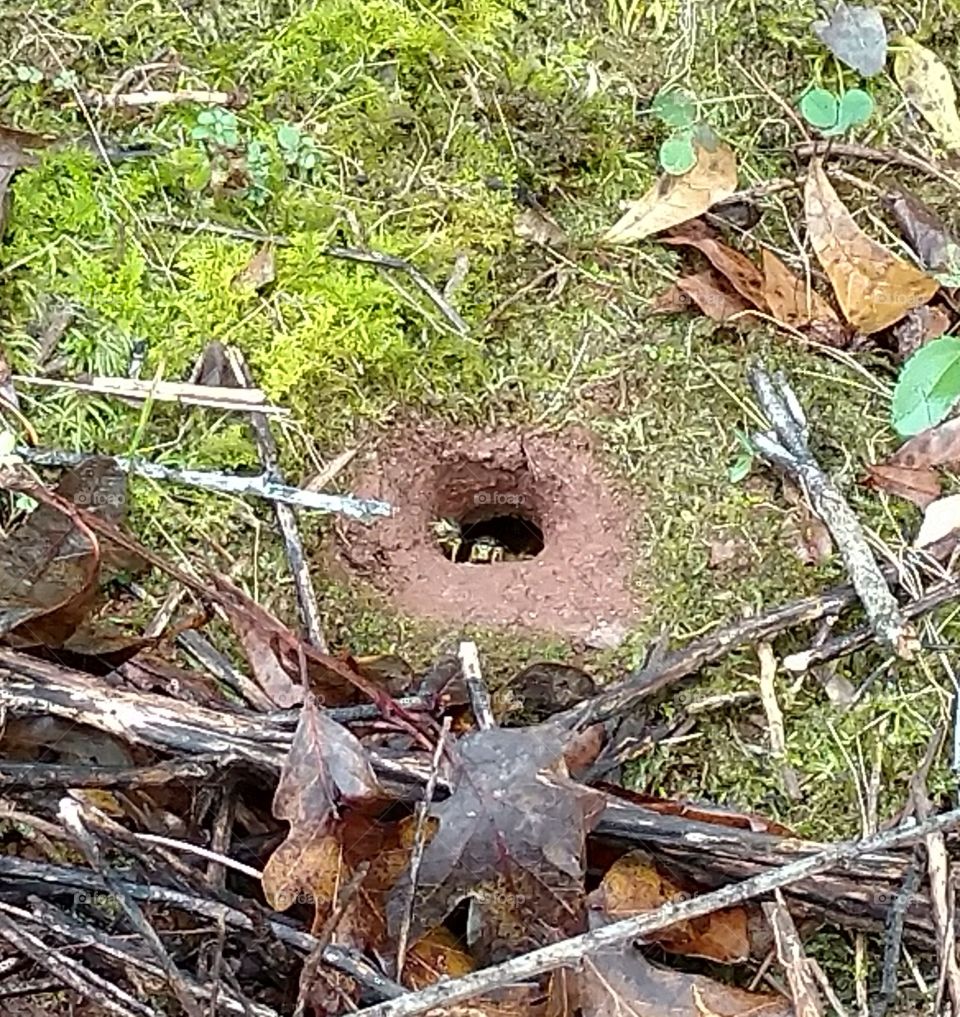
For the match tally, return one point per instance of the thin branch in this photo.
(476, 689)
(571, 951)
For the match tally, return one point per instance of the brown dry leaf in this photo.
(259, 271)
(937, 446)
(811, 539)
(326, 772)
(633, 885)
(920, 326)
(930, 237)
(921, 486)
(438, 954)
(537, 226)
(671, 301)
(511, 836)
(733, 265)
(677, 199)
(791, 301)
(874, 287)
(713, 296)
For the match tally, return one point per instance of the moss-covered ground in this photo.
(422, 127)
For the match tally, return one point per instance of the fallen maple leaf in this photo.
(511, 836)
(325, 772)
(926, 83)
(874, 287)
(676, 199)
(920, 486)
(634, 885)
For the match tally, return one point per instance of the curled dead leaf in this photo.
(874, 287)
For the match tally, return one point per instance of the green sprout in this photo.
(833, 115)
(678, 109)
(217, 126)
(296, 148)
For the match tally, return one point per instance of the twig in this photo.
(771, 707)
(70, 814)
(399, 264)
(260, 486)
(419, 843)
(202, 852)
(570, 951)
(270, 462)
(476, 689)
(162, 97)
(888, 156)
(893, 937)
(223, 229)
(72, 973)
(786, 447)
(33, 775)
(182, 392)
(793, 960)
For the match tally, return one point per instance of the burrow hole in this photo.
(489, 539)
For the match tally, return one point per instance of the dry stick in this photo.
(793, 960)
(771, 707)
(419, 843)
(36, 776)
(862, 637)
(270, 463)
(887, 156)
(222, 229)
(787, 448)
(570, 951)
(343, 958)
(72, 973)
(71, 816)
(399, 264)
(893, 937)
(260, 486)
(476, 689)
(161, 97)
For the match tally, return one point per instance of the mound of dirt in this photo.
(545, 494)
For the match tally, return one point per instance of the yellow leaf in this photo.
(926, 82)
(874, 287)
(677, 199)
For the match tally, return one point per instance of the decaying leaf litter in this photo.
(346, 865)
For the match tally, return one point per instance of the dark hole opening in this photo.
(496, 539)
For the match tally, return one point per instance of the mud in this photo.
(551, 483)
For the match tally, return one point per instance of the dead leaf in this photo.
(941, 518)
(511, 836)
(926, 83)
(856, 36)
(634, 885)
(325, 773)
(874, 287)
(811, 541)
(547, 687)
(937, 446)
(734, 266)
(259, 271)
(921, 486)
(794, 303)
(676, 199)
(536, 226)
(920, 326)
(714, 297)
(928, 235)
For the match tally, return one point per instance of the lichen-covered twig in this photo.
(786, 446)
(259, 486)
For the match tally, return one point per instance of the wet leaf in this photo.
(940, 519)
(511, 836)
(677, 199)
(634, 885)
(325, 773)
(926, 83)
(928, 235)
(856, 36)
(259, 271)
(928, 386)
(920, 486)
(874, 287)
(49, 568)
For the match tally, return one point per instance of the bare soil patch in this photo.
(542, 495)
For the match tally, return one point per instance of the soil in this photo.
(552, 484)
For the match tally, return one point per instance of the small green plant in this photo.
(833, 115)
(28, 75)
(678, 109)
(65, 81)
(217, 126)
(928, 387)
(258, 169)
(743, 464)
(296, 148)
